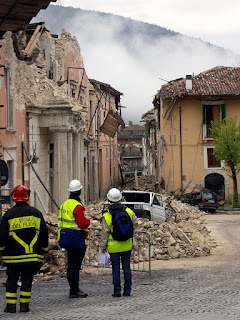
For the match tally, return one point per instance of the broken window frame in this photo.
(206, 123)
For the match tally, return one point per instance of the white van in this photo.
(145, 204)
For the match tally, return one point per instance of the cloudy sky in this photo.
(214, 21)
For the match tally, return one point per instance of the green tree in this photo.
(226, 139)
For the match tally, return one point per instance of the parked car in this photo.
(204, 200)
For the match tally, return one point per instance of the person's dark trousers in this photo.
(26, 273)
(115, 259)
(75, 258)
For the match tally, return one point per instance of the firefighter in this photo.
(71, 217)
(23, 242)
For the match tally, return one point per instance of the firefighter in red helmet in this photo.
(23, 242)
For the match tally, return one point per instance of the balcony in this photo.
(131, 170)
(132, 155)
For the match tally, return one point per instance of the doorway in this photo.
(215, 183)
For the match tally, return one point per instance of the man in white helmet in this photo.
(116, 243)
(71, 217)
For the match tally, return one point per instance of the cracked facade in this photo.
(52, 113)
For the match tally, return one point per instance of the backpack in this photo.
(122, 226)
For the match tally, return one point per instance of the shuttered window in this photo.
(203, 114)
(223, 111)
(212, 161)
(147, 132)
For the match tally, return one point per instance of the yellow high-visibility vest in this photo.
(66, 217)
(114, 246)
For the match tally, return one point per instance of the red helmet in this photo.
(20, 193)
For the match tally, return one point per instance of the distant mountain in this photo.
(133, 56)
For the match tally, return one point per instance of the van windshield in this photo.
(136, 197)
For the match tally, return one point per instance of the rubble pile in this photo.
(144, 183)
(55, 258)
(184, 235)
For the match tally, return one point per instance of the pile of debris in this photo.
(184, 235)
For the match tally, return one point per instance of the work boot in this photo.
(24, 307)
(82, 294)
(116, 295)
(126, 294)
(11, 308)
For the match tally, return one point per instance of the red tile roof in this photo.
(218, 81)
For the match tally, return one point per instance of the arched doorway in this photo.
(215, 182)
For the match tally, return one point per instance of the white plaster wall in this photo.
(38, 141)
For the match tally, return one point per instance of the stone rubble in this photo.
(184, 235)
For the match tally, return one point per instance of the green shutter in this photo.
(223, 111)
(203, 114)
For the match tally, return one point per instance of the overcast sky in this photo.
(139, 77)
(215, 21)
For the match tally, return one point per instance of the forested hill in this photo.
(58, 17)
(131, 55)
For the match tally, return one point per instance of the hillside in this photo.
(133, 56)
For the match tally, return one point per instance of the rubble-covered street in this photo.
(185, 289)
(184, 235)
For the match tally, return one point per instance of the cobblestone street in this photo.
(191, 289)
(168, 294)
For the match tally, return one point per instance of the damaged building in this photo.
(186, 108)
(48, 104)
(130, 147)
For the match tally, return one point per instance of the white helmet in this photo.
(74, 185)
(114, 195)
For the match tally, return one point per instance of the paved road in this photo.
(211, 292)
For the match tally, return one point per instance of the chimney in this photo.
(188, 82)
(130, 123)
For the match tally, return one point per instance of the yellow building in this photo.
(185, 110)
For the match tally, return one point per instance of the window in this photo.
(147, 132)
(212, 111)
(212, 161)
(157, 200)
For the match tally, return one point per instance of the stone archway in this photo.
(215, 182)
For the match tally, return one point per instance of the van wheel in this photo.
(147, 215)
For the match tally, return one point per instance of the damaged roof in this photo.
(149, 115)
(133, 131)
(218, 81)
(15, 14)
(105, 87)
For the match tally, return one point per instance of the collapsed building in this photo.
(51, 118)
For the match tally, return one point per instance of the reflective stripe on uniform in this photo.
(66, 220)
(11, 297)
(23, 258)
(25, 296)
